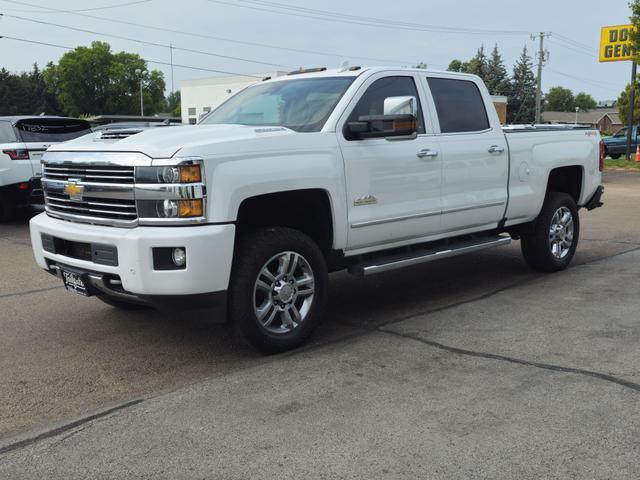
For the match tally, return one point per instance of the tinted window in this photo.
(372, 102)
(459, 105)
(621, 133)
(51, 129)
(303, 105)
(7, 135)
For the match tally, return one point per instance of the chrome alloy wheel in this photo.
(283, 292)
(561, 233)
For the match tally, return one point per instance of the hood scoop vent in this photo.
(116, 134)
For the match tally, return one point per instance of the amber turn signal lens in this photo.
(190, 174)
(190, 208)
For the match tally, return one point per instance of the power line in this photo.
(157, 62)
(143, 42)
(106, 7)
(569, 47)
(365, 21)
(596, 83)
(211, 37)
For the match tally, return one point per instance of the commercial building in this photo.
(200, 96)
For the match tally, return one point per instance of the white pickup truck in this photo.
(364, 169)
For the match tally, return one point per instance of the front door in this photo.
(393, 185)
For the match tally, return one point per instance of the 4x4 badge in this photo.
(366, 200)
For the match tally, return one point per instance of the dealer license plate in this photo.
(75, 283)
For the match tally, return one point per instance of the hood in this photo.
(165, 142)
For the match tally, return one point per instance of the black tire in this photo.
(616, 156)
(253, 253)
(6, 210)
(536, 246)
(122, 305)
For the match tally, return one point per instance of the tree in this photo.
(173, 104)
(635, 20)
(26, 94)
(420, 65)
(585, 102)
(522, 101)
(93, 80)
(457, 66)
(496, 78)
(560, 99)
(478, 65)
(623, 102)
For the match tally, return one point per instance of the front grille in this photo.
(95, 174)
(107, 193)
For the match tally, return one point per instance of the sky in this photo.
(270, 35)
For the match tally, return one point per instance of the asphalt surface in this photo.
(472, 367)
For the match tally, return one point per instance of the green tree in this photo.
(522, 101)
(93, 80)
(634, 5)
(173, 103)
(26, 93)
(560, 99)
(496, 77)
(457, 66)
(478, 65)
(421, 65)
(585, 102)
(623, 102)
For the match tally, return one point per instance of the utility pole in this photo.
(543, 56)
(171, 54)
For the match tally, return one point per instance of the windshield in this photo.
(302, 105)
(621, 133)
(51, 129)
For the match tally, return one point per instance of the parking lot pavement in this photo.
(470, 367)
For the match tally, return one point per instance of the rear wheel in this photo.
(616, 156)
(278, 288)
(552, 243)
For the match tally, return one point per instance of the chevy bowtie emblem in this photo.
(74, 191)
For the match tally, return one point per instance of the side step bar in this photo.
(392, 262)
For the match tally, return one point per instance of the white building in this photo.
(202, 95)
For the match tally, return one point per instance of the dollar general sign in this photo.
(615, 44)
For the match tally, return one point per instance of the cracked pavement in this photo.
(473, 367)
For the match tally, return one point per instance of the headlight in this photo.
(177, 174)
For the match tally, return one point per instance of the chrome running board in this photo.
(416, 257)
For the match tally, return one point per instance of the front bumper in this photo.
(209, 255)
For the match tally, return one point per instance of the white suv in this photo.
(23, 141)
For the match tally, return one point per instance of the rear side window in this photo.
(372, 101)
(7, 135)
(51, 129)
(459, 105)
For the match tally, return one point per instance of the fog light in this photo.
(167, 208)
(179, 257)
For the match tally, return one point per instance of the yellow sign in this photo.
(615, 44)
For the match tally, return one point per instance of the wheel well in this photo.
(306, 210)
(567, 180)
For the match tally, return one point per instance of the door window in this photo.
(7, 135)
(372, 101)
(459, 105)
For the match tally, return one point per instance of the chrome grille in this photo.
(107, 193)
(96, 174)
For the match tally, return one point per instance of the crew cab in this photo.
(364, 169)
(23, 141)
(616, 145)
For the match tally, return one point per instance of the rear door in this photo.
(475, 159)
(39, 133)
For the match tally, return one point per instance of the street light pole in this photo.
(141, 74)
(577, 110)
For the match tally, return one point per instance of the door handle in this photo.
(496, 149)
(427, 153)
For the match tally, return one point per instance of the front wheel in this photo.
(552, 243)
(6, 210)
(278, 288)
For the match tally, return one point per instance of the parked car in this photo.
(616, 146)
(367, 170)
(23, 140)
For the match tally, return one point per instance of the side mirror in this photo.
(400, 119)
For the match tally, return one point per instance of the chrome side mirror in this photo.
(401, 106)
